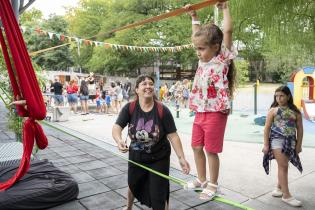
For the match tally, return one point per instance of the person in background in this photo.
(58, 89)
(119, 92)
(91, 85)
(84, 97)
(108, 102)
(72, 95)
(113, 95)
(98, 100)
(185, 93)
(127, 88)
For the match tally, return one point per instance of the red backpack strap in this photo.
(132, 106)
(159, 106)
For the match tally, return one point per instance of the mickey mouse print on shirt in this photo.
(147, 135)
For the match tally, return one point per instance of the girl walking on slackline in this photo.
(151, 128)
(283, 141)
(210, 97)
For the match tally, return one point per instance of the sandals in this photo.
(292, 202)
(196, 185)
(208, 193)
(277, 192)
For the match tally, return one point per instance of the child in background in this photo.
(98, 100)
(103, 103)
(210, 97)
(108, 102)
(283, 141)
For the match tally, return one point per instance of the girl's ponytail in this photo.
(231, 78)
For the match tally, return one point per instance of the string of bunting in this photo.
(106, 45)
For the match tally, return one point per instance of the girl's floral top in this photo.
(210, 92)
(284, 122)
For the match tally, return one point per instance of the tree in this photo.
(278, 35)
(95, 18)
(57, 59)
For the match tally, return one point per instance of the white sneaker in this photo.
(277, 192)
(292, 202)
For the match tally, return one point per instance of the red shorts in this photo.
(208, 131)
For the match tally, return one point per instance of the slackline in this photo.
(171, 178)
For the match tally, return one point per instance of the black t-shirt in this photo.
(148, 133)
(57, 88)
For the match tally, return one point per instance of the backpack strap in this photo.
(132, 106)
(159, 105)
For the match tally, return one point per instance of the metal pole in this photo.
(157, 74)
(79, 56)
(255, 98)
(16, 7)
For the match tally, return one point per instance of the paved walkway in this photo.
(100, 174)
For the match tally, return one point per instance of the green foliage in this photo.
(242, 71)
(93, 19)
(32, 17)
(15, 124)
(57, 59)
(276, 37)
(279, 32)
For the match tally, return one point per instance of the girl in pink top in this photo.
(210, 97)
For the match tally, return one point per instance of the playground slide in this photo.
(309, 109)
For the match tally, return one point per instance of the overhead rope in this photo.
(47, 49)
(25, 86)
(176, 180)
(161, 17)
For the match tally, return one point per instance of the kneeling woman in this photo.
(151, 128)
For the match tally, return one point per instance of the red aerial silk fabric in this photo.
(24, 85)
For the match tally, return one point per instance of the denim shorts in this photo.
(84, 98)
(72, 98)
(278, 143)
(58, 99)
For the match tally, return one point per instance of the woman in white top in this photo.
(119, 93)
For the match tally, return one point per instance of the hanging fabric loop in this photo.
(25, 86)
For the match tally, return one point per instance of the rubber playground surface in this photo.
(241, 126)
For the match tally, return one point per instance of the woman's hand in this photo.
(184, 165)
(298, 149)
(20, 102)
(265, 149)
(122, 147)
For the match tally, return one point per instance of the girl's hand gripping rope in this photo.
(190, 11)
(221, 5)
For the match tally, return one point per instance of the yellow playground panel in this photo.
(303, 90)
